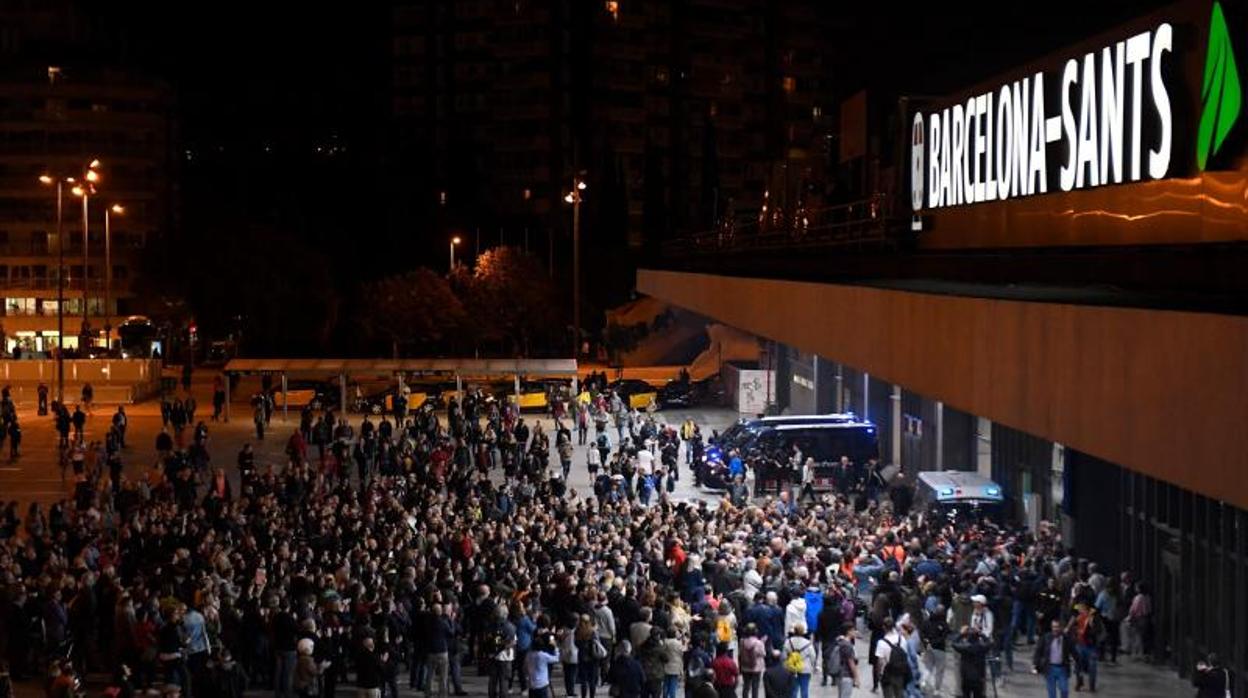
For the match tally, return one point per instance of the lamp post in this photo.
(454, 241)
(85, 190)
(108, 274)
(574, 197)
(48, 180)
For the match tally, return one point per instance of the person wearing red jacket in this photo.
(725, 672)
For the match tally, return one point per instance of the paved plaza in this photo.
(35, 476)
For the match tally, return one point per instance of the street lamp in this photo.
(454, 241)
(574, 197)
(79, 189)
(48, 180)
(117, 209)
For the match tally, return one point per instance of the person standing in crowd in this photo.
(725, 671)
(1212, 678)
(1088, 632)
(368, 669)
(626, 675)
(893, 661)
(935, 659)
(582, 423)
(1140, 619)
(972, 647)
(800, 659)
(218, 397)
(1053, 659)
(258, 418)
(542, 655)
(842, 664)
(753, 656)
(500, 649)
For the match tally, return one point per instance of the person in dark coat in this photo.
(972, 648)
(1053, 659)
(626, 675)
(1213, 679)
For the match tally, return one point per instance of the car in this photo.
(219, 353)
(957, 494)
(383, 401)
(677, 394)
(533, 396)
(638, 393)
(317, 394)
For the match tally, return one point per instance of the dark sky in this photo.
(261, 85)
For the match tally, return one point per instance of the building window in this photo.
(789, 83)
(19, 306)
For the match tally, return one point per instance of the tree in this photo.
(416, 308)
(510, 297)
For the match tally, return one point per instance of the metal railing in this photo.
(866, 221)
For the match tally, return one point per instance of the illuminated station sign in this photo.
(1108, 122)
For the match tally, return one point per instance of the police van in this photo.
(958, 494)
(824, 439)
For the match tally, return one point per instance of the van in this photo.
(825, 439)
(744, 431)
(958, 494)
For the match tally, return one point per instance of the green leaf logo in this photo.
(1221, 95)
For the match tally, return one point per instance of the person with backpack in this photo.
(752, 653)
(893, 661)
(799, 660)
(841, 664)
(1089, 631)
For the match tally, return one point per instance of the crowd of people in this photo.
(412, 550)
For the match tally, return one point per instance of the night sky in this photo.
(262, 86)
(283, 114)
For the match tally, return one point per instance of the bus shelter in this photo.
(343, 369)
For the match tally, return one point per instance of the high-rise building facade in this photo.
(54, 121)
(679, 112)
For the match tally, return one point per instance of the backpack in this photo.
(794, 663)
(749, 655)
(836, 663)
(897, 669)
(723, 630)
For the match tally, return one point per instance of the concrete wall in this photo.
(114, 380)
(1163, 393)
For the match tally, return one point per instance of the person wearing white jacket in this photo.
(799, 643)
(752, 581)
(795, 615)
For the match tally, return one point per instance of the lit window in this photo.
(613, 8)
(789, 84)
(816, 112)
